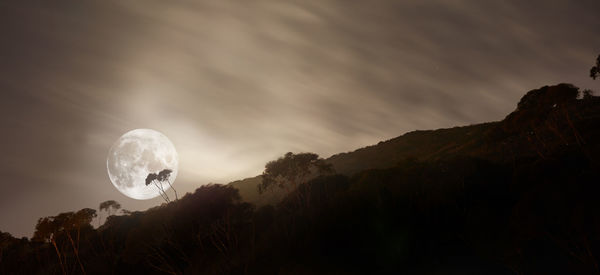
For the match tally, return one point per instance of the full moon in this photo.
(135, 155)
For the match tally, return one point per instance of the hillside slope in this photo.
(517, 196)
(546, 119)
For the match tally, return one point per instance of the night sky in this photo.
(235, 84)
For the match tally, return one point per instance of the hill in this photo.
(546, 119)
(514, 196)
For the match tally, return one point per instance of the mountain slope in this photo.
(547, 119)
(515, 196)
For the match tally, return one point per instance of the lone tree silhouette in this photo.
(165, 175)
(153, 178)
(595, 71)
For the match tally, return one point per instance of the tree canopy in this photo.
(110, 205)
(595, 70)
(158, 180)
(292, 170)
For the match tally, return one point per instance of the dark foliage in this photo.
(512, 197)
(293, 169)
(595, 70)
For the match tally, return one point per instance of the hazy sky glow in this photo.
(235, 84)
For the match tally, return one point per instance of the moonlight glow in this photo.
(136, 154)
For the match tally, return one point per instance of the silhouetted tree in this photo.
(74, 222)
(153, 178)
(83, 218)
(163, 176)
(46, 230)
(108, 206)
(5, 239)
(595, 70)
(543, 99)
(7, 242)
(292, 169)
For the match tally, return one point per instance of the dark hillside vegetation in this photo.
(519, 196)
(544, 120)
(549, 119)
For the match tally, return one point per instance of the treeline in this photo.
(465, 216)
